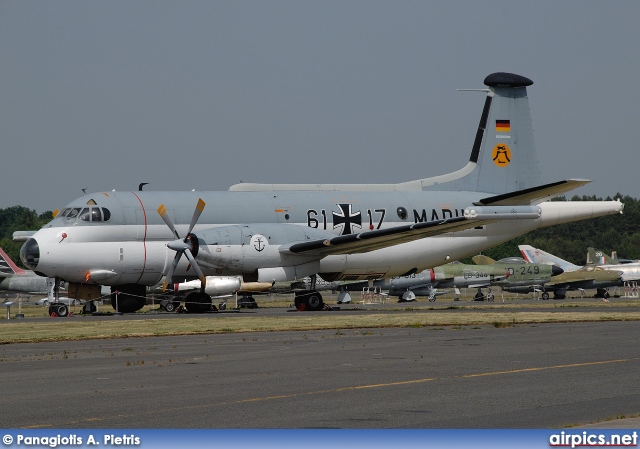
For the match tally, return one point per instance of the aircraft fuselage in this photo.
(243, 232)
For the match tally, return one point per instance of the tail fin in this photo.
(614, 258)
(481, 259)
(503, 158)
(7, 267)
(535, 255)
(598, 257)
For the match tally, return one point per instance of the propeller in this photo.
(187, 246)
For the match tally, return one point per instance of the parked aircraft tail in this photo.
(503, 162)
(598, 257)
(535, 255)
(481, 259)
(503, 157)
(7, 267)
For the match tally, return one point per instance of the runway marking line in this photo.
(358, 387)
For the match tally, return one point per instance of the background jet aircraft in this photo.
(16, 279)
(630, 271)
(284, 232)
(574, 277)
(598, 257)
(522, 274)
(487, 272)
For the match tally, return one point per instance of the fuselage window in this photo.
(106, 214)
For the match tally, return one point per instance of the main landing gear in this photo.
(309, 299)
(198, 302)
(480, 297)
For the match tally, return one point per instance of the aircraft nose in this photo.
(556, 270)
(30, 254)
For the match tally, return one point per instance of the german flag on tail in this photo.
(503, 126)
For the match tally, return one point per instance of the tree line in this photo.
(569, 241)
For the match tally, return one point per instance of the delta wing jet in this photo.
(284, 232)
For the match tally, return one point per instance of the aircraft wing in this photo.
(533, 195)
(383, 238)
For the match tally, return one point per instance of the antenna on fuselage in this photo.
(141, 185)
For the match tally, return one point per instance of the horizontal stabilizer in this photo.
(533, 195)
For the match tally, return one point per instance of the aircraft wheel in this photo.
(46, 303)
(605, 295)
(170, 306)
(478, 297)
(545, 296)
(89, 307)
(131, 297)
(490, 297)
(310, 300)
(198, 303)
(314, 300)
(62, 310)
(432, 299)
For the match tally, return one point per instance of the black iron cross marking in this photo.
(346, 218)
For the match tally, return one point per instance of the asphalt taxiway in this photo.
(526, 376)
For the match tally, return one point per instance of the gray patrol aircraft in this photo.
(283, 232)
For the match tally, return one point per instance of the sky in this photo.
(204, 94)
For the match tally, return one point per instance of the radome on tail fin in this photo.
(535, 255)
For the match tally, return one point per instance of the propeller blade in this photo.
(196, 268)
(168, 277)
(196, 214)
(162, 210)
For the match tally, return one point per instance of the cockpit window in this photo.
(96, 214)
(64, 212)
(84, 215)
(73, 213)
(92, 214)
